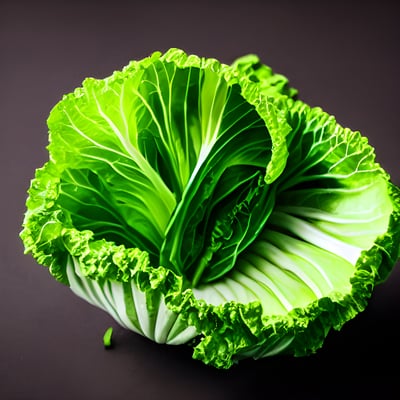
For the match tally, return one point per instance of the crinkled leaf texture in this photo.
(201, 203)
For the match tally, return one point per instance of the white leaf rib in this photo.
(315, 236)
(254, 269)
(276, 256)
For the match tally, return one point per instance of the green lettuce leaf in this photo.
(332, 236)
(202, 204)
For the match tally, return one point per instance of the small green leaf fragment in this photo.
(107, 337)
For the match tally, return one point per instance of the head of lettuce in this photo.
(203, 204)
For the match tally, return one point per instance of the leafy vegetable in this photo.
(201, 203)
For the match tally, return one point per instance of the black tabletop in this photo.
(342, 56)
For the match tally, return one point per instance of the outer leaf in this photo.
(271, 84)
(329, 240)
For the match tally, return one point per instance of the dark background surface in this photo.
(343, 56)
